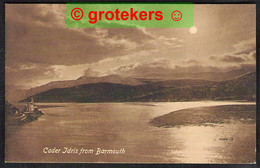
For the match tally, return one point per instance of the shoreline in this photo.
(207, 116)
(239, 101)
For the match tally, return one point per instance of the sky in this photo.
(40, 49)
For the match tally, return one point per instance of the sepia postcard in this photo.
(130, 95)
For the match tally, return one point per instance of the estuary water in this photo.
(68, 128)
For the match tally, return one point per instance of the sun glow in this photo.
(193, 30)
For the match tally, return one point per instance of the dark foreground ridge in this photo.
(16, 116)
(207, 116)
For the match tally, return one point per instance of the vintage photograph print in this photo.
(130, 95)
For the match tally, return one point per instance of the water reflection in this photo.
(125, 125)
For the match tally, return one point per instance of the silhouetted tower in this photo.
(31, 105)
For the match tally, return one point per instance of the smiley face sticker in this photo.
(176, 15)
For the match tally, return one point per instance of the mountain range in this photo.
(150, 83)
(120, 89)
(17, 95)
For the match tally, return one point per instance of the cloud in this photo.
(40, 35)
(156, 66)
(163, 67)
(191, 62)
(243, 52)
(39, 45)
(28, 75)
(92, 73)
(228, 59)
(245, 46)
